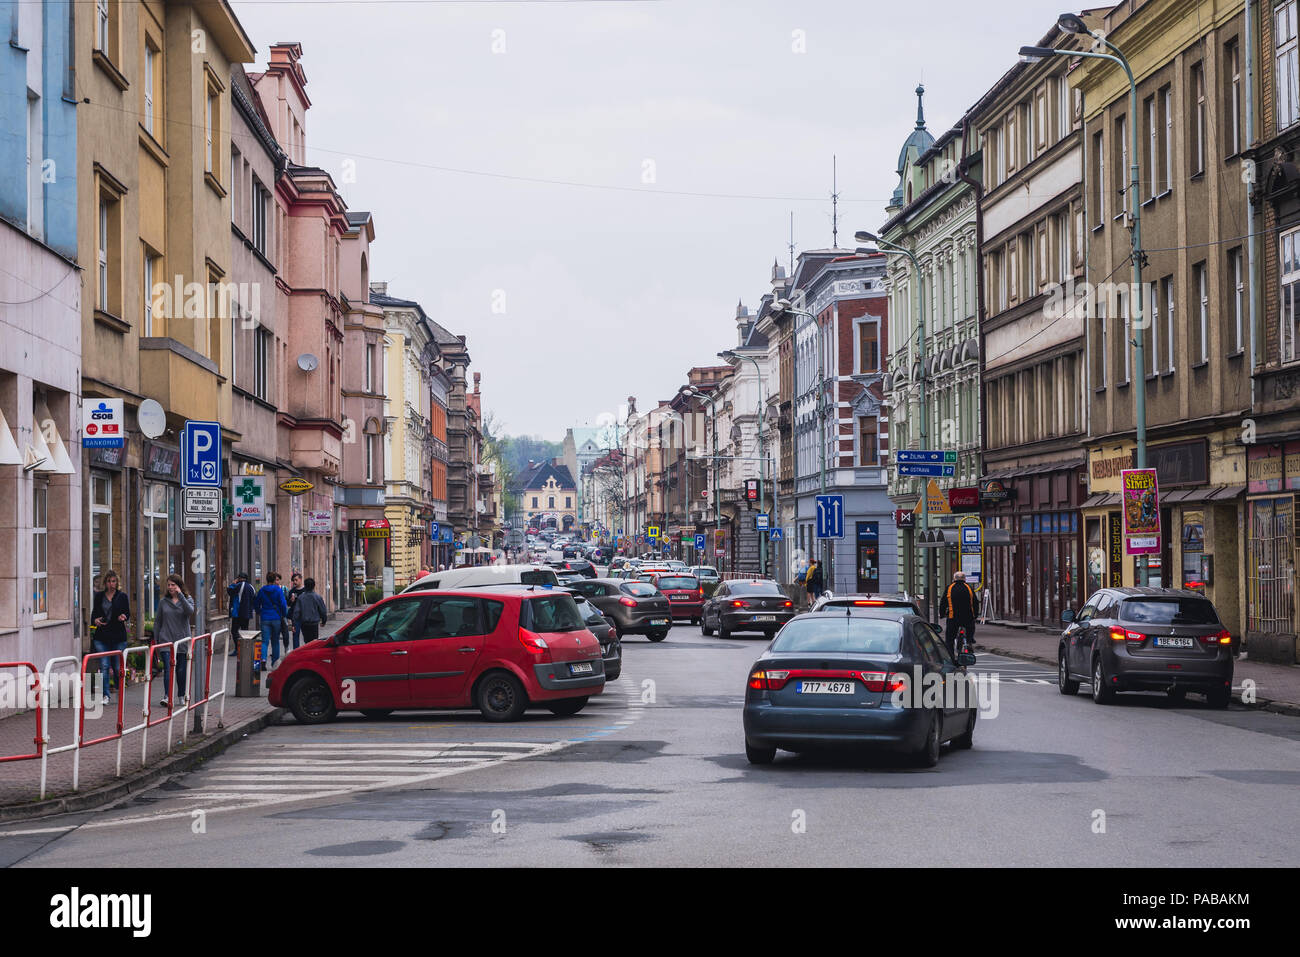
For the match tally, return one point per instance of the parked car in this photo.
(636, 608)
(829, 681)
(684, 595)
(898, 604)
(611, 648)
(498, 650)
(746, 605)
(1146, 639)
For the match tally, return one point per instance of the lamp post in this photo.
(894, 249)
(1072, 23)
(762, 451)
(780, 307)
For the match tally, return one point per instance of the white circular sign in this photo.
(152, 418)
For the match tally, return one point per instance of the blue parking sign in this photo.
(699, 543)
(201, 455)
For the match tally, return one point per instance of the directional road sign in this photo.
(924, 456)
(201, 454)
(927, 471)
(830, 516)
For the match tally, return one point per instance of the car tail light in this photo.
(534, 643)
(1123, 634)
(789, 604)
(1223, 637)
(630, 602)
(699, 593)
(887, 682)
(863, 603)
(768, 680)
(737, 603)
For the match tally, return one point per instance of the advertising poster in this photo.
(1141, 512)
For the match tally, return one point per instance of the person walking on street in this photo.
(309, 612)
(296, 581)
(814, 581)
(243, 602)
(171, 623)
(960, 607)
(271, 612)
(109, 612)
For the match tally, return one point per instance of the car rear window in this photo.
(540, 576)
(678, 582)
(864, 636)
(1168, 611)
(756, 588)
(639, 589)
(550, 613)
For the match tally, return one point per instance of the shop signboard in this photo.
(1141, 511)
(318, 523)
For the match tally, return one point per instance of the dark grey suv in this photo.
(1146, 639)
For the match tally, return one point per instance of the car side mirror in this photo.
(1067, 616)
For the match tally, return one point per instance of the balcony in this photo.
(184, 381)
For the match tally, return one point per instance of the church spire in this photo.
(920, 107)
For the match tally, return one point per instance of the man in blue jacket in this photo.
(271, 610)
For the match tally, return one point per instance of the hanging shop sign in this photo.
(1141, 512)
(374, 528)
(296, 486)
(102, 424)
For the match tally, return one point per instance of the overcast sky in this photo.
(574, 297)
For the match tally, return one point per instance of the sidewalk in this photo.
(1277, 687)
(99, 784)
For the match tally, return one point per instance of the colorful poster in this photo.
(1141, 512)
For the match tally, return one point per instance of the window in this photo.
(209, 130)
(370, 367)
(1098, 197)
(550, 501)
(35, 189)
(1122, 171)
(1290, 280)
(868, 440)
(1169, 327)
(1063, 117)
(868, 347)
(1062, 227)
(146, 299)
(1103, 350)
(101, 524)
(1232, 57)
(261, 206)
(370, 458)
(568, 501)
(101, 296)
(534, 501)
(150, 78)
(1285, 66)
(1237, 278)
(108, 253)
(1199, 282)
(263, 353)
(1013, 145)
(101, 26)
(1153, 146)
(1198, 119)
(1125, 343)
(1153, 347)
(236, 193)
(40, 551)
(1166, 147)
(1013, 273)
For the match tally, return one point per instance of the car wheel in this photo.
(723, 631)
(567, 706)
(966, 740)
(1063, 679)
(705, 630)
(657, 635)
(311, 702)
(1101, 692)
(377, 712)
(928, 756)
(1219, 697)
(759, 755)
(500, 697)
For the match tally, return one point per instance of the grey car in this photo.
(1146, 639)
(636, 608)
(746, 605)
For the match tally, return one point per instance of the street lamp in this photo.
(1072, 23)
(729, 355)
(863, 236)
(779, 308)
(713, 414)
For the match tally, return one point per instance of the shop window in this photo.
(40, 551)
(101, 525)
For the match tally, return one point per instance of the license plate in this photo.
(582, 668)
(764, 618)
(824, 687)
(680, 597)
(1175, 643)
(658, 621)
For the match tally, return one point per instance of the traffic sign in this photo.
(699, 542)
(198, 523)
(971, 533)
(201, 454)
(433, 531)
(927, 471)
(830, 516)
(653, 532)
(777, 534)
(201, 501)
(925, 456)
(761, 521)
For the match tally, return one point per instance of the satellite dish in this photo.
(308, 362)
(151, 418)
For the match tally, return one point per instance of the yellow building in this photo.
(153, 173)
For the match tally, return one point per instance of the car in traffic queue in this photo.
(707, 574)
(748, 604)
(635, 607)
(485, 576)
(1146, 639)
(858, 680)
(578, 566)
(499, 650)
(897, 604)
(683, 592)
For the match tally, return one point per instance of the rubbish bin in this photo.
(248, 679)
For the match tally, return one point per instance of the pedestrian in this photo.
(309, 612)
(960, 607)
(271, 612)
(243, 602)
(295, 580)
(813, 581)
(171, 623)
(109, 611)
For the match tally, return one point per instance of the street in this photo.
(653, 772)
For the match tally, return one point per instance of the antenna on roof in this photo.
(835, 204)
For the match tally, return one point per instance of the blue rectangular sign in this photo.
(930, 471)
(699, 542)
(201, 455)
(924, 456)
(830, 516)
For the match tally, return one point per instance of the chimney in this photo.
(379, 288)
(477, 376)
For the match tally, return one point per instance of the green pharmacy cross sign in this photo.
(248, 491)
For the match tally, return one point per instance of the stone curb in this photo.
(141, 779)
(1263, 704)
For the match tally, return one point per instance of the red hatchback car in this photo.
(499, 652)
(685, 597)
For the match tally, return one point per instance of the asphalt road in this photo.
(653, 772)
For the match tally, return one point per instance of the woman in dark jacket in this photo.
(171, 623)
(109, 612)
